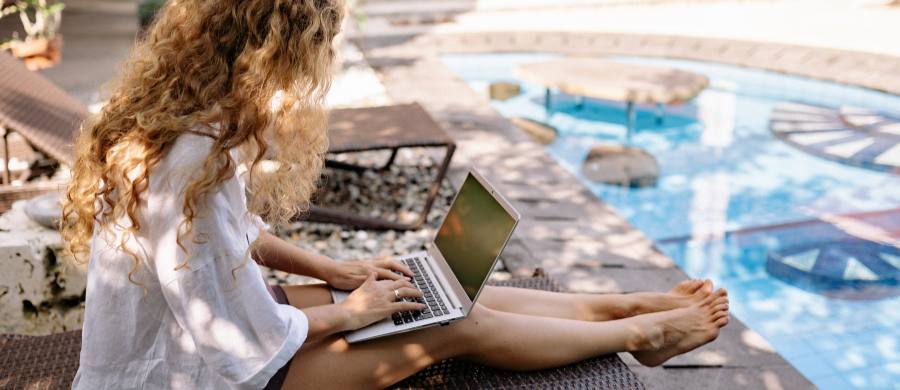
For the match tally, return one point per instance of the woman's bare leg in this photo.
(575, 306)
(499, 339)
(592, 307)
(308, 295)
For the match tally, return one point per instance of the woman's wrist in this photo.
(328, 320)
(348, 318)
(326, 268)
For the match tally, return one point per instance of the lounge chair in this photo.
(382, 128)
(50, 362)
(43, 114)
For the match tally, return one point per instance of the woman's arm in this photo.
(327, 320)
(276, 253)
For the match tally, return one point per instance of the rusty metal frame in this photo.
(330, 215)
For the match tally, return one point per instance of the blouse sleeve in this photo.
(216, 292)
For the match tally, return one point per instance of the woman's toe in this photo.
(722, 321)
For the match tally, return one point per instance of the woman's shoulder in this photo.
(188, 153)
(182, 164)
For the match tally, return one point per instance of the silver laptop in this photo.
(453, 268)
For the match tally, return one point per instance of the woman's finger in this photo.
(370, 278)
(386, 274)
(400, 283)
(406, 306)
(408, 292)
(392, 264)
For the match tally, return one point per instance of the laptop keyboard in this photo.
(435, 305)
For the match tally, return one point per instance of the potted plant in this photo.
(42, 46)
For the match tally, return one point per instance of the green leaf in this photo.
(55, 8)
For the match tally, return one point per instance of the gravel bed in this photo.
(396, 193)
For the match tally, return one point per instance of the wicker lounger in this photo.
(382, 128)
(604, 372)
(45, 115)
(50, 362)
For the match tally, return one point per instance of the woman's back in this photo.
(164, 323)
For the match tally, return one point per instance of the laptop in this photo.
(453, 268)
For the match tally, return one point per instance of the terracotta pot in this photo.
(29, 48)
(39, 53)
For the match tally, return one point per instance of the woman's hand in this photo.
(349, 275)
(375, 300)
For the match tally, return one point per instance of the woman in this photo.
(224, 98)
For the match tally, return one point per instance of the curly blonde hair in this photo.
(253, 72)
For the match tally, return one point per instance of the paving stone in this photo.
(629, 249)
(544, 210)
(547, 186)
(769, 378)
(606, 278)
(517, 259)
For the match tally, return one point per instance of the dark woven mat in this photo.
(39, 362)
(50, 362)
(605, 372)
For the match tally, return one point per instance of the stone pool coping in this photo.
(567, 230)
(879, 72)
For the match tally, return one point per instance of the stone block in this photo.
(541, 133)
(40, 289)
(621, 165)
(503, 90)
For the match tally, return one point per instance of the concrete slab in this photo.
(600, 278)
(629, 248)
(782, 377)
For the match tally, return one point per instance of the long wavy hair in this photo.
(254, 73)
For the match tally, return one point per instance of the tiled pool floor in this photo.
(731, 196)
(839, 337)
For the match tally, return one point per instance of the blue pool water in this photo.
(731, 197)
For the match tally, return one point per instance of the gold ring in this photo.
(397, 294)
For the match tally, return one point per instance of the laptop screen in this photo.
(473, 234)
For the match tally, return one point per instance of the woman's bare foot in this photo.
(674, 332)
(684, 294)
(690, 291)
(691, 286)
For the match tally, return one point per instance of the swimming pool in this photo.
(739, 206)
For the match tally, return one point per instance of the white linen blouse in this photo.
(210, 325)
